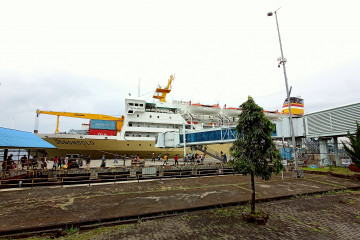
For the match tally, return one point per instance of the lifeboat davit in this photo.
(197, 108)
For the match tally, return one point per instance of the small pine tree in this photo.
(254, 152)
(354, 150)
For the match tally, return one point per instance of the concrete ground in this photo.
(319, 217)
(22, 209)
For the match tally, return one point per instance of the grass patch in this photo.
(228, 212)
(187, 218)
(324, 182)
(337, 170)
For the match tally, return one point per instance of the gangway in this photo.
(174, 139)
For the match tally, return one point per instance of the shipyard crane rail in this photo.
(119, 120)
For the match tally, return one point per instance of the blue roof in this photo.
(10, 138)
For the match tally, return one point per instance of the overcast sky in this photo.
(87, 56)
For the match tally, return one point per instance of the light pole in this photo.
(283, 62)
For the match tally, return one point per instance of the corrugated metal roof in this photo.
(10, 138)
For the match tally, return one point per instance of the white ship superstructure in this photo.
(144, 120)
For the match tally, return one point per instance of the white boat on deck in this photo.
(235, 112)
(197, 108)
(231, 112)
(272, 115)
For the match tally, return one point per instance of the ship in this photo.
(135, 133)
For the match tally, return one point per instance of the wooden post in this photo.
(5, 159)
(32, 182)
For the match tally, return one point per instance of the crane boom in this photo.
(119, 121)
(161, 92)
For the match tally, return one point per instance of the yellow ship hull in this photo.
(109, 147)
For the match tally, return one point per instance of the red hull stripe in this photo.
(293, 104)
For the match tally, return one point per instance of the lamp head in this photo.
(270, 14)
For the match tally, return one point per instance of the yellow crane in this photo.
(160, 92)
(119, 121)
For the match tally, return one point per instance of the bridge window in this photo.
(130, 111)
(136, 104)
(131, 104)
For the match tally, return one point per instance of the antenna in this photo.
(139, 88)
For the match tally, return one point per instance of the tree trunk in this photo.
(252, 193)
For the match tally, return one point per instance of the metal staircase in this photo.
(208, 151)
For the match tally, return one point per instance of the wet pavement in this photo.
(21, 209)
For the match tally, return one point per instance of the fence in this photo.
(47, 177)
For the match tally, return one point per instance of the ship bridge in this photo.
(322, 125)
